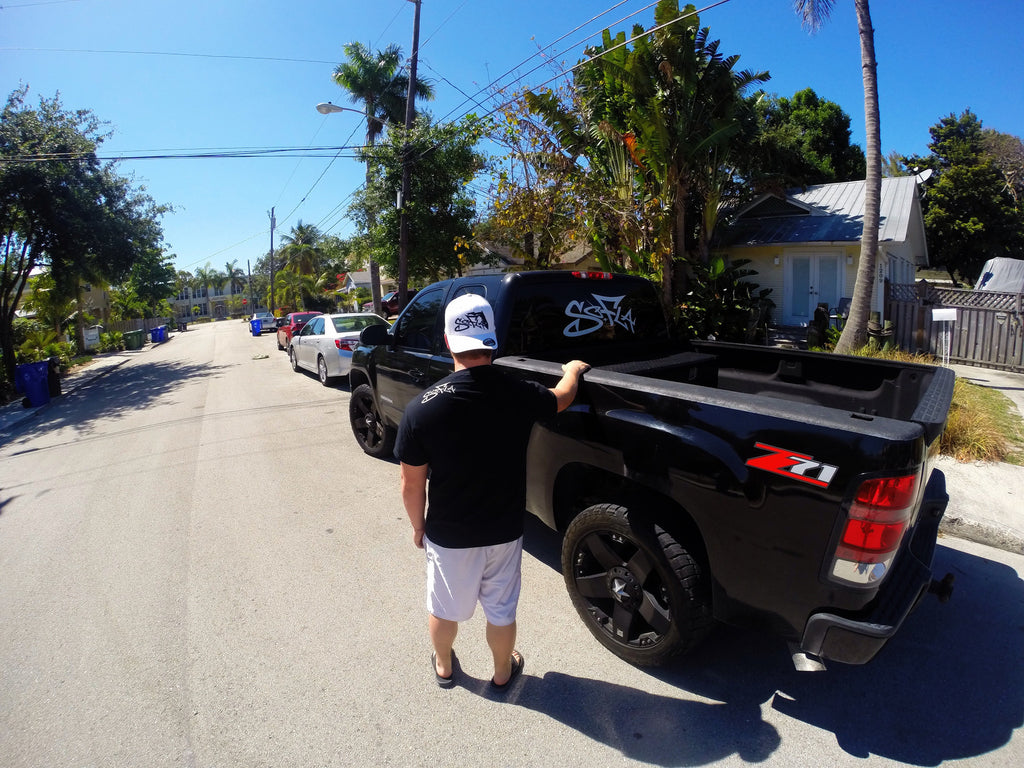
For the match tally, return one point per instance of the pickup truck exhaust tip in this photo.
(942, 589)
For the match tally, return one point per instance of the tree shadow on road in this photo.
(112, 395)
(949, 686)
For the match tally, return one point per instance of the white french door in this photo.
(811, 279)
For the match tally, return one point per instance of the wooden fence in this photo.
(986, 332)
(145, 324)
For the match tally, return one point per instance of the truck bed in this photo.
(865, 386)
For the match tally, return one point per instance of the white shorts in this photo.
(458, 578)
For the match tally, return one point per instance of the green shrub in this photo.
(111, 341)
(720, 302)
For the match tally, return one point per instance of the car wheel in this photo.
(638, 590)
(321, 371)
(374, 436)
(279, 345)
(292, 359)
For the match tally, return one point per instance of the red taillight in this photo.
(346, 345)
(593, 275)
(878, 518)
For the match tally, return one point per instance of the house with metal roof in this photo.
(805, 245)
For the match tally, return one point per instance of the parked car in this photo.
(267, 321)
(325, 343)
(290, 325)
(389, 302)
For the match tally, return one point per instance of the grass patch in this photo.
(983, 425)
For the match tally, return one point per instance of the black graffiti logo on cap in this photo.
(471, 320)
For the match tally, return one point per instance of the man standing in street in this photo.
(469, 433)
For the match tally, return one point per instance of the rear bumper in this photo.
(856, 640)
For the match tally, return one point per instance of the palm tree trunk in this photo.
(855, 333)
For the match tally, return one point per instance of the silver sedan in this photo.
(325, 343)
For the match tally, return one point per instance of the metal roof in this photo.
(824, 213)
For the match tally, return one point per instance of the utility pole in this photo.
(273, 223)
(403, 218)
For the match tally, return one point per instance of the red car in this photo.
(291, 325)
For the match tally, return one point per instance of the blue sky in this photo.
(248, 74)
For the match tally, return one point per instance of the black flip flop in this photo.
(444, 682)
(518, 662)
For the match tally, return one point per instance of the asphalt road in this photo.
(200, 568)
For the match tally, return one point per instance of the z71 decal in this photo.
(795, 465)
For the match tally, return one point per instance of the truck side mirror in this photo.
(374, 335)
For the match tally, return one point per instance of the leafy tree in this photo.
(809, 140)
(536, 189)
(61, 207)
(1007, 152)
(440, 211)
(379, 85)
(53, 310)
(676, 100)
(125, 303)
(152, 280)
(970, 212)
(814, 13)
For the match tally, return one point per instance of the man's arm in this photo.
(414, 497)
(565, 389)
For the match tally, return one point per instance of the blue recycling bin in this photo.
(256, 325)
(161, 333)
(32, 379)
(154, 335)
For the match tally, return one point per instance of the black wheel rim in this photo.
(365, 422)
(625, 595)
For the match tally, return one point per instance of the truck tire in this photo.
(374, 436)
(641, 594)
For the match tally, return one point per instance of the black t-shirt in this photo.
(472, 428)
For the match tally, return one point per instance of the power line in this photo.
(213, 154)
(540, 52)
(166, 53)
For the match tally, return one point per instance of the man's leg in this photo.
(442, 636)
(502, 641)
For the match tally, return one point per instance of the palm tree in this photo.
(205, 277)
(301, 249)
(290, 285)
(814, 13)
(234, 278)
(378, 84)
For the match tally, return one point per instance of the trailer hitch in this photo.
(942, 589)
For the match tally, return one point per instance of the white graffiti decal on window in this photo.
(589, 318)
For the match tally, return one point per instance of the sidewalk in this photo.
(986, 500)
(14, 413)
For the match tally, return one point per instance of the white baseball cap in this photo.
(469, 324)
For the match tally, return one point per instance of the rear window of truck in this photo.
(550, 319)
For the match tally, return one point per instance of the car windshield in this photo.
(357, 323)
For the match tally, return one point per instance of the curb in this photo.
(987, 533)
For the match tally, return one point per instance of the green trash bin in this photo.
(134, 339)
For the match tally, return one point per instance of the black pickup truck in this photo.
(698, 481)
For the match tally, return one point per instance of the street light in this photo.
(326, 108)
